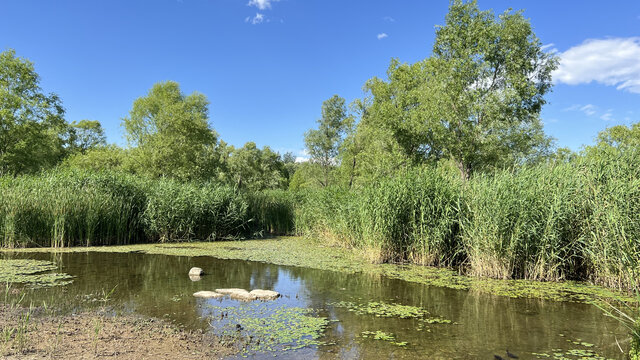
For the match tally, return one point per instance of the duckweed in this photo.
(381, 335)
(379, 309)
(586, 353)
(33, 273)
(296, 251)
(260, 328)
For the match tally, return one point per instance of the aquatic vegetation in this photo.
(63, 208)
(379, 309)
(381, 335)
(34, 273)
(261, 328)
(297, 251)
(587, 352)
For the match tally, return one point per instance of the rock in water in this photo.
(265, 294)
(208, 294)
(195, 278)
(231, 291)
(195, 271)
(238, 294)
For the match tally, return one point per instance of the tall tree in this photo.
(324, 143)
(256, 169)
(32, 127)
(476, 100)
(170, 132)
(87, 134)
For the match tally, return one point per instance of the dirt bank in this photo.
(95, 335)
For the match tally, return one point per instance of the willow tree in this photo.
(33, 131)
(170, 134)
(476, 100)
(323, 144)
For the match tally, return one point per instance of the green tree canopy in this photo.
(324, 143)
(256, 169)
(32, 127)
(476, 100)
(87, 134)
(170, 133)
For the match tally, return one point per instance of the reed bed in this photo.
(553, 221)
(79, 208)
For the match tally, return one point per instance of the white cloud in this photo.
(261, 4)
(382, 36)
(258, 19)
(607, 116)
(389, 19)
(300, 159)
(588, 109)
(548, 46)
(612, 62)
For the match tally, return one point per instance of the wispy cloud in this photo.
(588, 109)
(258, 19)
(389, 19)
(612, 62)
(607, 116)
(261, 4)
(382, 36)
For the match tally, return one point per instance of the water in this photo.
(484, 325)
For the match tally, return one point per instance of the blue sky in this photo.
(267, 65)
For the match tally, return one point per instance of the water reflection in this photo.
(158, 286)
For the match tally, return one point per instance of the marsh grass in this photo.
(549, 222)
(64, 208)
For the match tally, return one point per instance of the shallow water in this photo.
(483, 325)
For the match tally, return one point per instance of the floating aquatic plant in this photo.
(34, 273)
(260, 328)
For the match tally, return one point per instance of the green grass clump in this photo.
(526, 224)
(71, 208)
(184, 211)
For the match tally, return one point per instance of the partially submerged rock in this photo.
(195, 271)
(195, 278)
(208, 294)
(265, 294)
(231, 291)
(238, 294)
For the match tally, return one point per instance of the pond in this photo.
(331, 315)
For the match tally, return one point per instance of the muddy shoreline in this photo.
(38, 333)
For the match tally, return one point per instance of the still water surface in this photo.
(483, 325)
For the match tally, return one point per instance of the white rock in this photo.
(265, 294)
(208, 294)
(231, 291)
(195, 271)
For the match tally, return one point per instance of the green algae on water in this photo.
(381, 335)
(297, 251)
(34, 273)
(379, 309)
(259, 328)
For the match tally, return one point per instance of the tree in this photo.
(476, 100)
(170, 133)
(324, 143)
(32, 126)
(101, 158)
(252, 168)
(87, 134)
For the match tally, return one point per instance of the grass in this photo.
(549, 222)
(63, 208)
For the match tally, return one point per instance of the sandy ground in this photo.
(99, 336)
